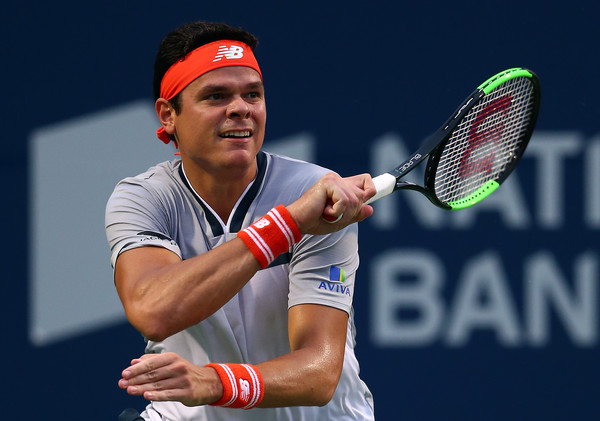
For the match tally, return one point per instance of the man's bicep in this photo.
(135, 267)
(315, 325)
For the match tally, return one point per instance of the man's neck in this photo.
(220, 191)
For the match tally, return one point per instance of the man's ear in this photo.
(165, 114)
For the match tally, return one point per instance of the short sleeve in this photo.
(136, 217)
(322, 269)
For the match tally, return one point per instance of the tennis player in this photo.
(223, 258)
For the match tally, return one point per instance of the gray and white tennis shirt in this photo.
(160, 208)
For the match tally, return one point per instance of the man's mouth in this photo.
(236, 134)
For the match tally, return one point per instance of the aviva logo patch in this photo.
(336, 277)
(337, 274)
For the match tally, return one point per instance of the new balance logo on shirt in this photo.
(229, 53)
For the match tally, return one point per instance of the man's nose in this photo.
(238, 107)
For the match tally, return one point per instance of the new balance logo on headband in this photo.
(232, 52)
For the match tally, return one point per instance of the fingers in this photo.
(346, 198)
(148, 369)
(333, 203)
(365, 184)
(169, 377)
(330, 211)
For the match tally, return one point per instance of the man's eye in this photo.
(215, 97)
(254, 95)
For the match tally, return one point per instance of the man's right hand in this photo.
(333, 198)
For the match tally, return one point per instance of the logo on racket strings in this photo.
(478, 139)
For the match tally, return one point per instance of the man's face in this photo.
(221, 125)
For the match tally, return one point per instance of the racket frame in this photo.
(433, 146)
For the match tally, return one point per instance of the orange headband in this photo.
(202, 60)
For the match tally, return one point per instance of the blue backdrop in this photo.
(490, 313)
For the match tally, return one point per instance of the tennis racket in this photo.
(477, 148)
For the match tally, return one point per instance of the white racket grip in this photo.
(384, 184)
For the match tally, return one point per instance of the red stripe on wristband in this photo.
(271, 235)
(243, 385)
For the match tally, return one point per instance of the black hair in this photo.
(187, 38)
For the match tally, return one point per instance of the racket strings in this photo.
(486, 141)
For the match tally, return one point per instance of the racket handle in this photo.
(384, 184)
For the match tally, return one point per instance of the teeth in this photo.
(237, 133)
